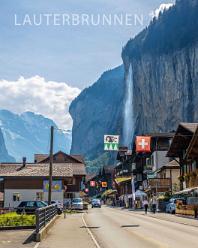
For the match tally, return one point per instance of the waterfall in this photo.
(128, 127)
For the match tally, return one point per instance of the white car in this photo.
(77, 204)
(171, 206)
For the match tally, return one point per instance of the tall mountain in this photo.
(4, 156)
(97, 111)
(29, 133)
(164, 61)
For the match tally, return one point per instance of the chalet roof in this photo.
(78, 157)
(190, 126)
(192, 151)
(182, 139)
(39, 157)
(73, 158)
(160, 135)
(171, 165)
(78, 169)
(35, 170)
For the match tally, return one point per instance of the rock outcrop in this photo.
(4, 156)
(97, 111)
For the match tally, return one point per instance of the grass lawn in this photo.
(14, 219)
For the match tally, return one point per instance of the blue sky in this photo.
(76, 55)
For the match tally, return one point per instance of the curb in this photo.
(168, 220)
(43, 232)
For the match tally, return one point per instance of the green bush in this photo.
(14, 219)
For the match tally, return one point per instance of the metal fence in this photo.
(44, 215)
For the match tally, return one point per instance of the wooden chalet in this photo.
(185, 147)
(29, 181)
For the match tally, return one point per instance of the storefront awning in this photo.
(120, 180)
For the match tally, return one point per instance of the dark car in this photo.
(29, 207)
(95, 203)
(59, 206)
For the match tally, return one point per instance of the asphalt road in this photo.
(116, 228)
(16, 239)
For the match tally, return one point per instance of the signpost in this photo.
(111, 142)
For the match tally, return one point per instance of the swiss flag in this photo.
(92, 183)
(143, 144)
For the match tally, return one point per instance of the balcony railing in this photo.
(159, 183)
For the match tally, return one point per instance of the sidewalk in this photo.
(69, 232)
(167, 217)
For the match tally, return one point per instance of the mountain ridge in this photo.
(29, 133)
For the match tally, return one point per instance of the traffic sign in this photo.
(104, 184)
(92, 183)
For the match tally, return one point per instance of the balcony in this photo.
(158, 184)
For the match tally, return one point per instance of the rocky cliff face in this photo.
(165, 74)
(97, 111)
(4, 156)
(165, 90)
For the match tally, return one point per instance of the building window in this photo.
(68, 195)
(39, 196)
(16, 197)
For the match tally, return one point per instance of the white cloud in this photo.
(48, 98)
(163, 7)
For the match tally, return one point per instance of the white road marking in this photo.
(90, 233)
(37, 245)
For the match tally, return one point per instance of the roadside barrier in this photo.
(44, 215)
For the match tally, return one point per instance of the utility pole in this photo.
(51, 165)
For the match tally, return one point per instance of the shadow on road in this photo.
(129, 226)
(90, 227)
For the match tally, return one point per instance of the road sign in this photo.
(143, 144)
(92, 183)
(104, 184)
(111, 142)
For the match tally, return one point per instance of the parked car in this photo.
(171, 206)
(77, 204)
(59, 206)
(96, 203)
(29, 207)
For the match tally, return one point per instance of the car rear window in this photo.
(30, 204)
(22, 204)
(40, 204)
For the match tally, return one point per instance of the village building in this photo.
(99, 182)
(185, 147)
(30, 181)
(170, 171)
(160, 143)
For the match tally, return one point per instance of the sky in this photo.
(75, 55)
